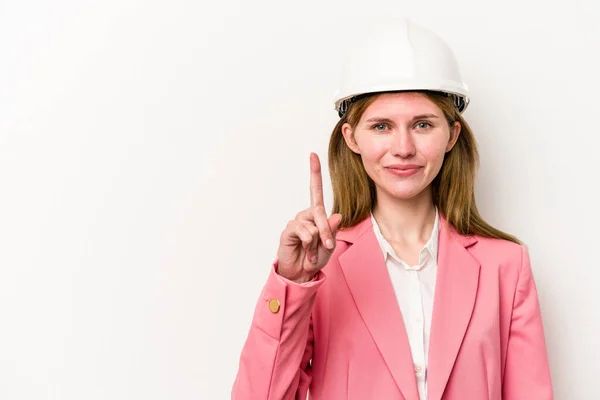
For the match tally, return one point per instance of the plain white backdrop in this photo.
(151, 153)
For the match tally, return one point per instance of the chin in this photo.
(404, 193)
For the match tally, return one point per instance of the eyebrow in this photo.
(389, 121)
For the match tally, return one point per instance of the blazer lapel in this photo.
(455, 291)
(367, 277)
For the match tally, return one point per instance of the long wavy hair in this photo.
(453, 189)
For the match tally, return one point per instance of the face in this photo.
(402, 139)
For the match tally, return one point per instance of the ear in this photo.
(454, 133)
(348, 134)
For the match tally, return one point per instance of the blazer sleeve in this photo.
(527, 371)
(275, 359)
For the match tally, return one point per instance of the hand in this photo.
(308, 241)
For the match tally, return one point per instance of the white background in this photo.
(151, 152)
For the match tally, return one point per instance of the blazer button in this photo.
(274, 305)
(418, 369)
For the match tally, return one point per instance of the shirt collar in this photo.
(431, 246)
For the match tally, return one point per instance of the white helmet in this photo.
(400, 56)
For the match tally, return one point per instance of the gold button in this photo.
(418, 369)
(274, 305)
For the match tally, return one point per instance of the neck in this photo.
(406, 221)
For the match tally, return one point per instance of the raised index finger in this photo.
(316, 202)
(316, 181)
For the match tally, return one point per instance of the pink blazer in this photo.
(342, 336)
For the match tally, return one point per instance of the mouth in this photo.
(404, 171)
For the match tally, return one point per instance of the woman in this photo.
(404, 292)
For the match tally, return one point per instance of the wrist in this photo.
(299, 280)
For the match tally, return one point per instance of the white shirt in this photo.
(414, 287)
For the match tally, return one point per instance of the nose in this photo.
(402, 143)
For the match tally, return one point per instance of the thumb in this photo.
(334, 222)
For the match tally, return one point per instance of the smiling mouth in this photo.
(404, 171)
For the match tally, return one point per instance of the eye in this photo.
(379, 127)
(424, 125)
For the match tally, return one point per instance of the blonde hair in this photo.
(453, 189)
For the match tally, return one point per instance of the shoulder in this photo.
(498, 247)
(504, 254)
